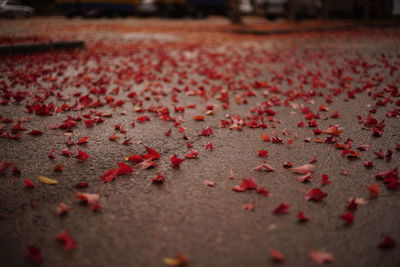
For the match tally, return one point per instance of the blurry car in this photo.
(280, 8)
(245, 7)
(146, 8)
(13, 8)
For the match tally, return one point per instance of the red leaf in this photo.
(159, 179)
(304, 178)
(276, 255)
(325, 179)
(82, 156)
(192, 154)
(316, 195)
(333, 130)
(263, 191)
(364, 147)
(18, 127)
(249, 206)
(66, 240)
(385, 174)
(264, 167)
(113, 137)
(109, 175)
(282, 209)
(34, 254)
(209, 146)
(82, 185)
(176, 162)
(124, 168)
(66, 152)
(302, 217)
(265, 137)
(206, 132)
(387, 242)
(151, 154)
(35, 132)
(349, 153)
(4, 166)
(208, 183)
(380, 154)
(88, 197)
(320, 257)
(347, 217)
(304, 169)
(147, 164)
(168, 133)
(58, 168)
(142, 119)
(135, 158)
(373, 190)
(263, 153)
(28, 183)
(198, 118)
(368, 164)
(51, 155)
(313, 159)
(249, 183)
(83, 140)
(62, 209)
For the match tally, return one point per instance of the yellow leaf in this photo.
(45, 180)
(180, 260)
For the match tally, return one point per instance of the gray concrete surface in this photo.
(140, 223)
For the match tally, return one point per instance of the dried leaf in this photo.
(46, 180)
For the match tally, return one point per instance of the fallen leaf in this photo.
(263, 191)
(28, 183)
(347, 217)
(208, 183)
(176, 162)
(276, 255)
(179, 260)
(304, 169)
(249, 206)
(66, 240)
(81, 155)
(264, 167)
(83, 140)
(373, 191)
(46, 180)
(320, 257)
(34, 254)
(302, 217)
(88, 197)
(283, 208)
(159, 179)
(249, 183)
(62, 208)
(316, 195)
(388, 242)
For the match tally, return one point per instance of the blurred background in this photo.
(233, 9)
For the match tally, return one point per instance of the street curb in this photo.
(288, 31)
(40, 47)
(311, 29)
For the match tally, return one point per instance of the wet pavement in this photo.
(140, 78)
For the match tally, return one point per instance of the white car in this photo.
(13, 8)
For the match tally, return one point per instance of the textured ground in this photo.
(287, 88)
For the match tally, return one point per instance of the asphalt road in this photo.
(139, 222)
